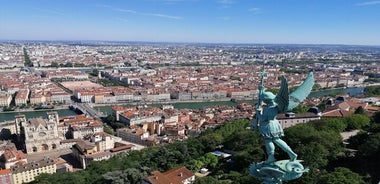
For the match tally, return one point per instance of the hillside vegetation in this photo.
(319, 144)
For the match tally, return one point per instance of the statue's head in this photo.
(268, 97)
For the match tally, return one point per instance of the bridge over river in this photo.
(86, 108)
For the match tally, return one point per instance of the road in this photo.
(87, 109)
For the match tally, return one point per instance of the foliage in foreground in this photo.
(318, 144)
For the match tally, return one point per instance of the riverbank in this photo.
(172, 102)
(10, 116)
(107, 108)
(35, 110)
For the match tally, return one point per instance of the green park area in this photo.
(317, 143)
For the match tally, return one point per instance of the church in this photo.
(38, 134)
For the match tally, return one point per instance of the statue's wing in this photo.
(282, 98)
(300, 94)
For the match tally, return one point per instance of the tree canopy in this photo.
(372, 90)
(318, 144)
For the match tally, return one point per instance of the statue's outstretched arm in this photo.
(259, 102)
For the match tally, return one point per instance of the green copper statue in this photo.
(272, 171)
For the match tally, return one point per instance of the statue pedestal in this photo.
(276, 172)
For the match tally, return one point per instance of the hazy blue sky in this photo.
(217, 21)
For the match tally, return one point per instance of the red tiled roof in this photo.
(4, 171)
(120, 148)
(177, 175)
(173, 176)
(98, 154)
(158, 178)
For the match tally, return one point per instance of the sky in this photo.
(353, 22)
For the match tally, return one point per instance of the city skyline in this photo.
(350, 22)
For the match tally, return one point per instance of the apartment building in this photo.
(27, 172)
(76, 127)
(5, 99)
(22, 97)
(139, 115)
(6, 176)
(86, 152)
(12, 157)
(291, 119)
(136, 135)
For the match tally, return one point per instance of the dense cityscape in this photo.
(140, 84)
(189, 92)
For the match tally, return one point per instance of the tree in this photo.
(371, 146)
(108, 130)
(316, 86)
(79, 65)
(243, 140)
(376, 117)
(360, 110)
(336, 124)
(318, 145)
(211, 141)
(273, 90)
(372, 90)
(195, 165)
(111, 121)
(54, 64)
(356, 121)
(130, 175)
(341, 175)
(210, 160)
(195, 147)
(307, 141)
(95, 72)
(322, 106)
(300, 109)
(68, 64)
(206, 180)
(165, 159)
(28, 62)
(314, 155)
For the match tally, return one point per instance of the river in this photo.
(354, 91)
(7, 116)
(192, 105)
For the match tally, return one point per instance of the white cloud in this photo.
(124, 10)
(51, 11)
(226, 18)
(121, 19)
(368, 3)
(139, 13)
(254, 10)
(103, 6)
(226, 2)
(161, 15)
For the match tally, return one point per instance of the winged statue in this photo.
(286, 102)
(269, 126)
(272, 171)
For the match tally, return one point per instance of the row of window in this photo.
(29, 175)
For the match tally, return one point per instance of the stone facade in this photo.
(37, 134)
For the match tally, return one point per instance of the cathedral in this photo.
(38, 134)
